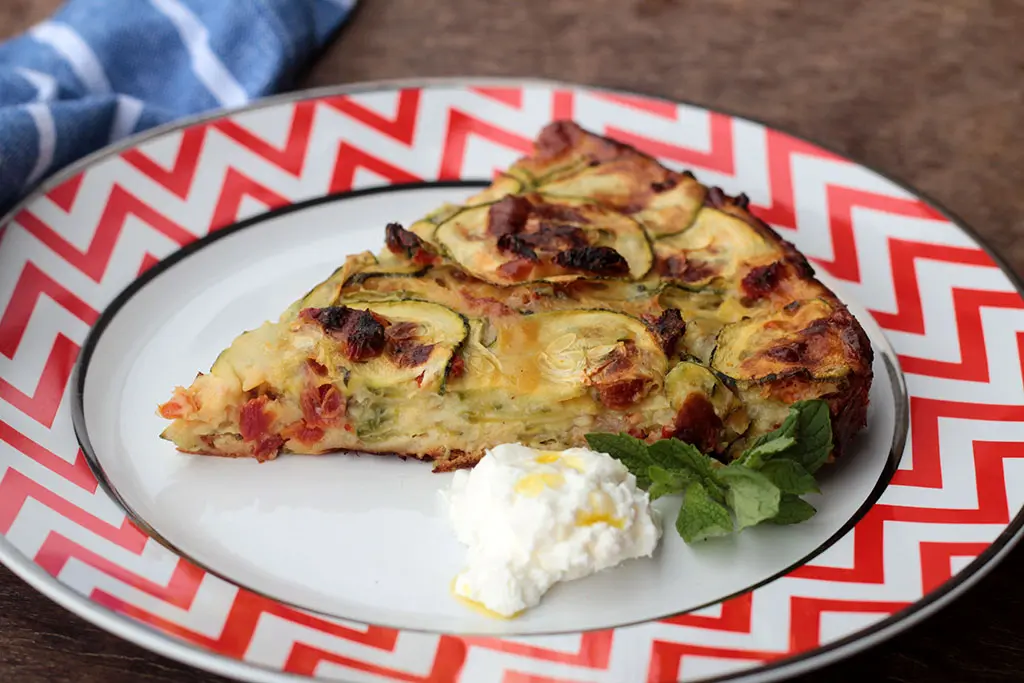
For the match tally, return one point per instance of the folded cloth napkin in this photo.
(100, 70)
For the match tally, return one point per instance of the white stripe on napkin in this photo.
(129, 109)
(76, 52)
(45, 84)
(205, 63)
(47, 134)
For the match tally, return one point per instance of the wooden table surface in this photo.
(931, 93)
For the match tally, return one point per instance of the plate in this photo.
(131, 270)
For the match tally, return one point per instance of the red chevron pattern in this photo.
(177, 178)
(74, 247)
(735, 616)
(64, 195)
(291, 156)
(236, 188)
(460, 127)
(401, 128)
(94, 260)
(350, 159)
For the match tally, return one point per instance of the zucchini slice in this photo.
(504, 184)
(795, 339)
(326, 292)
(263, 355)
(572, 163)
(553, 229)
(712, 250)
(434, 331)
(705, 312)
(687, 379)
(436, 284)
(560, 355)
(672, 211)
(564, 149)
(402, 269)
(663, 206)
(424, 228)
(637, 298)
(482, 368)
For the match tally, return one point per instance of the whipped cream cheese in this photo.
(532, 518)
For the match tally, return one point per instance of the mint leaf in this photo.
(814, 433)
(665, 482)
(763, 485)
(664, 454)
(701, 517)
(786, 429)
(809, 424)
(773, 447)
(756, 456)
(677, 478)
(793, 510)
(659, 475)
(751, 495)
(790, 476)
(657, 490)
(681, 455)
(628, 450)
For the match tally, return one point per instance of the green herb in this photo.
(790, 477)
(755, 456)
(665, 482)
(751, 495)
(804, 437)
(793, 510)
(763, 484)
(682, 458)
(814, 430)
(702, 517)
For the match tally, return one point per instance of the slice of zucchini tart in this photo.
(588, 289)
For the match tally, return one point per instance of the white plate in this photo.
(258, 570)
(338, 534)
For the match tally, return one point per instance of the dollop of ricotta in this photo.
(532, 518)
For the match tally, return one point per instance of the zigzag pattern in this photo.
(956, 491)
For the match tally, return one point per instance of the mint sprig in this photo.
(793, 510)
(751, 495)
(805, 436)
(701, 516)
(762, 485)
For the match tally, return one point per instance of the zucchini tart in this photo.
(587, 289)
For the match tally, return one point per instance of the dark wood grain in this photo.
(929, 92)
(18, 15)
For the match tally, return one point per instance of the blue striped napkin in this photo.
(100, 70)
